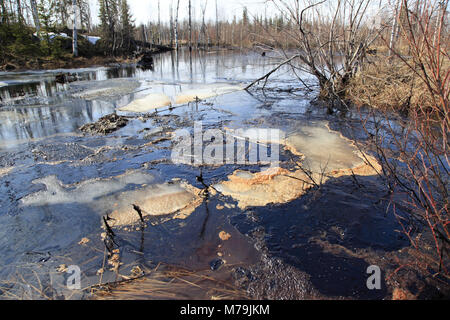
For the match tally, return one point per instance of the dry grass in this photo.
(390, 85)
(171, 283)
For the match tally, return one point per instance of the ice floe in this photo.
(192, 93)
(325, 154)
(118, 197)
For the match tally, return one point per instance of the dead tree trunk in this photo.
(176, 25)
(190, 25)
(34, 10)
(394, 27)
(75, 31)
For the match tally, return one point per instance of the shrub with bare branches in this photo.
(331, 39)
(409, 125)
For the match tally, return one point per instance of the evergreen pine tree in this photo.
(127, 25)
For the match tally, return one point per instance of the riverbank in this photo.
(68, 61)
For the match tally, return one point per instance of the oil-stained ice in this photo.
(146, 104)
(323, 149)
(104, 89)
(205, 92)
(325, 154)
(275, 185)
(118, 197)
(188, 94)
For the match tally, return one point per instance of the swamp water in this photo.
(255, 228)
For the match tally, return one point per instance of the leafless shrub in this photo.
(331, 39)
(409, 126)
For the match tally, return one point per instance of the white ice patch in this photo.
(205, 92)
(324, 150)
(148, 103)
(86, 192)
(92, 39)
(193, 93)
(117, 196)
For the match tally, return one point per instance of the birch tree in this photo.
(75, 31)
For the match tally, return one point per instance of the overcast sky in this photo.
(147, 10)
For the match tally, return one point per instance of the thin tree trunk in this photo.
(75, 31)
(171, 23)
(394, 28)
(19, 12)
(441, 14)
(159, 22)
(176, 25)
(3, 17)
(34, 10)
(217, 25)
(190, 26)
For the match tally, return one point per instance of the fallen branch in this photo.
(267, 75)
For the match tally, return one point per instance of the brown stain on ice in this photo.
(278, 185)
(275, 185)
(5, 171)
(148, 103)
(181, 200)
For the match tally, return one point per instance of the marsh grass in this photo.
(172, 283)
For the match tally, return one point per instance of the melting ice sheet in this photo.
(323, 149)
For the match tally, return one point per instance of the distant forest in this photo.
(39, 29)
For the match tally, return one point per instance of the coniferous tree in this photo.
(127, 25)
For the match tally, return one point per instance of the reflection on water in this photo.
(24, 124)
(35, 104)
